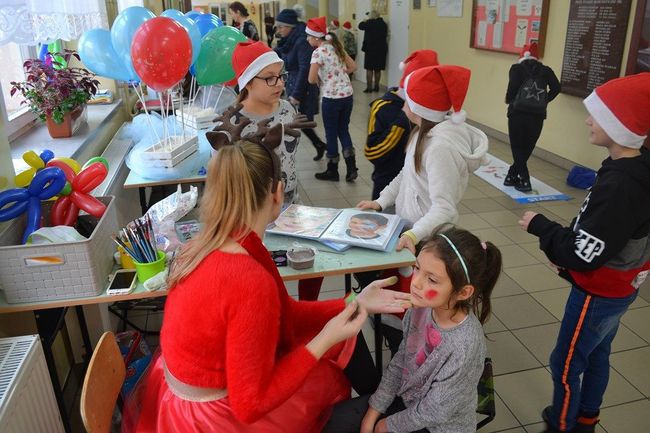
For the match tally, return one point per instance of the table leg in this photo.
(48, 323)
(379, 343)
(143, 199)
(88, 347)
(348, 283)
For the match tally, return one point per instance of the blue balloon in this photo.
(96, 51)
(192, 14)
(33, 217)
(46, 155)
(188, 24)
(124, 27)
(43, 53)
(47, 183)
(207, 22)
(19, 197)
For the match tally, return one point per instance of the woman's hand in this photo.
(369, 420)
(368, 204)
(346, 324)
(375, 299)
(405, 241)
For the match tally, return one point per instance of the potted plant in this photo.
(56, 92)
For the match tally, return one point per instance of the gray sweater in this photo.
(436, 372)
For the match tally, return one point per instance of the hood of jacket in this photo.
(636, 169)
(470, 142)
(296, 35)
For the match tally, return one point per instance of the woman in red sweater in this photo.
(238, 354)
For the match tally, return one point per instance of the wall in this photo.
(564, 132)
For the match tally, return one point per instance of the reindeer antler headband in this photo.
(268, 137)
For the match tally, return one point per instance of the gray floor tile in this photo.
(493, 235)
(525, 393)
(506, 286)
(533, 249)
(472, 222)
(500, 218)
(504, 419)
(517, 234)
(553, 300)
(482, 205)
(633, 365)
(508, 354)
(638, 321)
(627, 418)
(540, 340)
(619, 390)
(514, 256)
(536, 277)
(493, 325)
(521, 311)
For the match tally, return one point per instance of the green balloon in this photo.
(67, 189)
(214, 64)
(96, 159)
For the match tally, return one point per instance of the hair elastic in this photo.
(462, 262)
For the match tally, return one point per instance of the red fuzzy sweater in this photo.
(231, 324)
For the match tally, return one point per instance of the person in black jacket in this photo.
(605, 254)
(375, 47)
(239, 14)
(524, 124)
(294, 49)
(388, 126)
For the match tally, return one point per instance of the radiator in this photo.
(27, 402)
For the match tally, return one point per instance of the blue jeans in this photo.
(583, 346)
(336, 120)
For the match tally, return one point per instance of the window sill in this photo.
(38, 138)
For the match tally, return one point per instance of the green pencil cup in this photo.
(148, 270)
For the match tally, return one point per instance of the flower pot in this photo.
(71, 122)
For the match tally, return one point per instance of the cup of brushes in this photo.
(138, 240)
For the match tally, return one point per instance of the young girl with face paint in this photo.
(430, 385)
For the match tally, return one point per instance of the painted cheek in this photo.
(430, 294)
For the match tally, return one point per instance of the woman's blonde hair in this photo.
(240, 177)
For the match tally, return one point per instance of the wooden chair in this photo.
(102, 384)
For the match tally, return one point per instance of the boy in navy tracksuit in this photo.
(605, 254)
(388, 126)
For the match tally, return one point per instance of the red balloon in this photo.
(90, 177)
(64, 212)
(67, 170)
(88, 203)
(161, 53)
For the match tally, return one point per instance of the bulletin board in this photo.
(507, 25)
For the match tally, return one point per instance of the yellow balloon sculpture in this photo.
(38, 162)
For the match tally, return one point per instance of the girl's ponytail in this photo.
(338, 47)
(486, 282)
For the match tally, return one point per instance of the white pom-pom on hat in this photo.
(402, 66)
(458, 117)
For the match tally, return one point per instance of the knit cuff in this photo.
(411, 236)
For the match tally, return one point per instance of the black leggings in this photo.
(524, 131)
(361, 371)
(347, 415)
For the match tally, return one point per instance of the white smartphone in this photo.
(122, 282)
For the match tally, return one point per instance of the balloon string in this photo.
(207, 99)
(144, 105)
(162, 113)
(218, 98)
(180, 91)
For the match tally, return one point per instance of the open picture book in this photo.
(340, 227)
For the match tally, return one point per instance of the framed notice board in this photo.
(595, 39)
(638, 59)
(507, 25)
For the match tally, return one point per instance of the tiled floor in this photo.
(528, 301)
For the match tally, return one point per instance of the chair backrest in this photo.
(486, 405)
(104, 378)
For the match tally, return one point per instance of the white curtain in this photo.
(32, 21)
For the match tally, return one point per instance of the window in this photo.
(17, 116)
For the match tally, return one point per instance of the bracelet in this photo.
(350, 298)
(411, 236)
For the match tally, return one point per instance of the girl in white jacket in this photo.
(442, 152)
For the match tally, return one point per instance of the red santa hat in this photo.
(334, 24)
(433, 91)
(529, 51)
(316, 27)
(249, 58)
(347, 25)
(418, 59)
(622, 108)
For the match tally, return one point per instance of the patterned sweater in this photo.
(436, 372)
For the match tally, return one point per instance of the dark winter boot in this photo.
(586, 424)
(320, 150)
(332, 172)
(546, 416)
(511, 177)
(351, 165)
(523, 184)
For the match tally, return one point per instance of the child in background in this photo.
(605, 254)
(388, 126)
(430, 385)
(349, 40)
(330, 66)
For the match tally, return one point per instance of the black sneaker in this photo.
(523, 185)
(546, 416)
(510, 180)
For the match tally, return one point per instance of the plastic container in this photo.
(148, 270)
(301, 258)
(125, 260)
(33, 273)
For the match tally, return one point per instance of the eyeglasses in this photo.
(273, 79)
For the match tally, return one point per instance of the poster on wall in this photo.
(508, 25)
(638, 59)
(450, 8)
(432, 3)
(595, 40)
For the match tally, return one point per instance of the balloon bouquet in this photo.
(48, 177)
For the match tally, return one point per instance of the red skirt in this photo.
(154, 408)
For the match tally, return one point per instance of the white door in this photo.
(398, 42)
(363, 6)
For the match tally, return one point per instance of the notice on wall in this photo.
(594, 44)
(450, 8)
